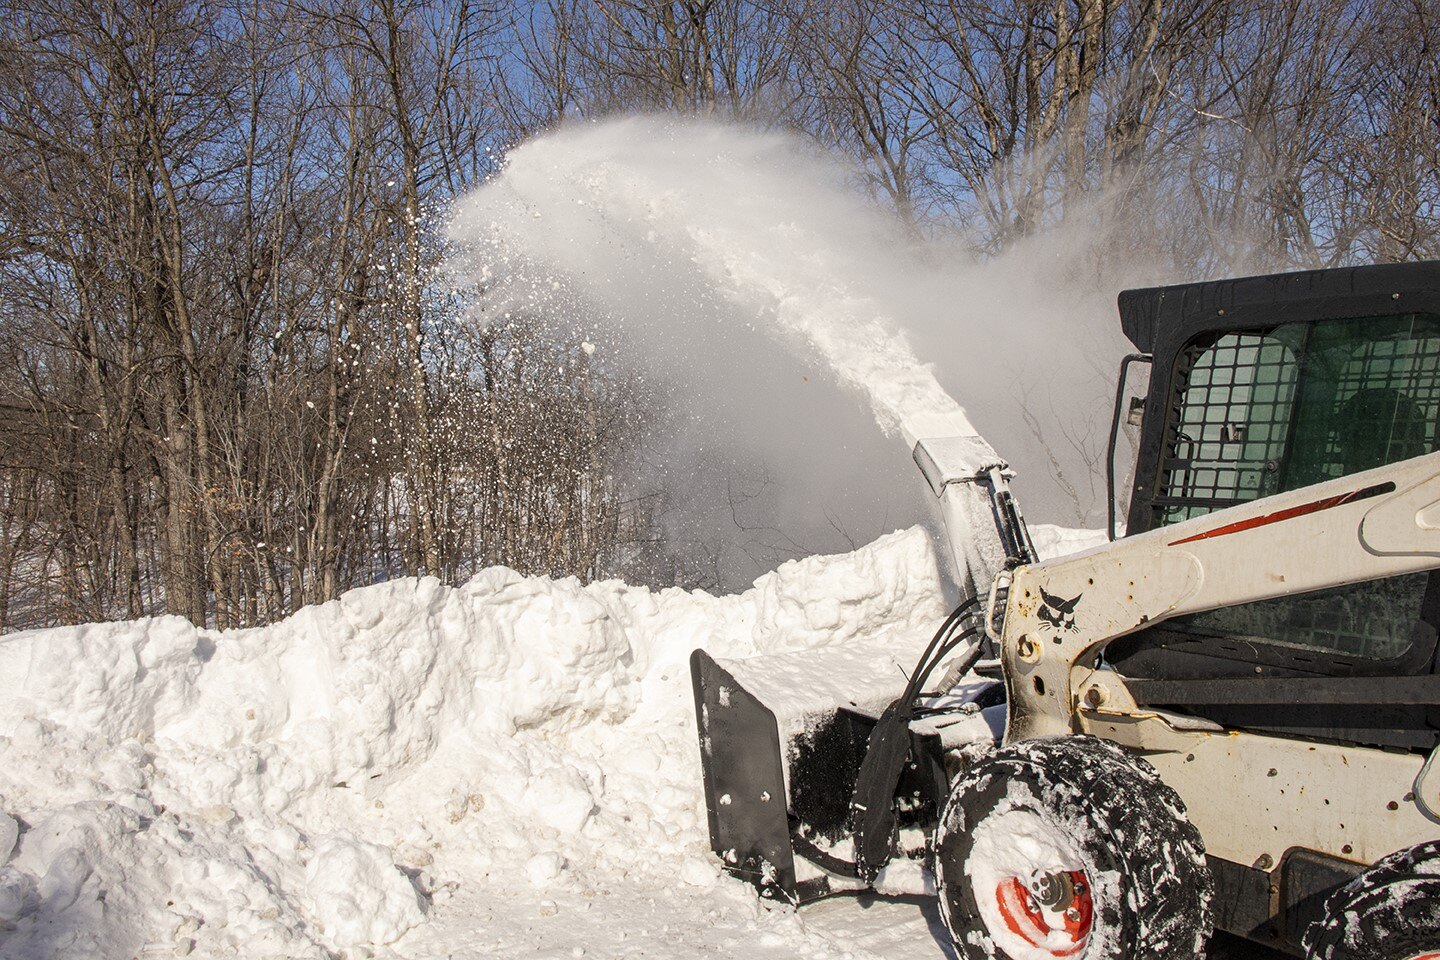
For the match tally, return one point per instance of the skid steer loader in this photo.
(1227, 718)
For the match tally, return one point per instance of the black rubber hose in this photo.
(872, 810)
(924, 665)
(970, 660)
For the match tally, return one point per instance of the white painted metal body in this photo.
(1252, 796)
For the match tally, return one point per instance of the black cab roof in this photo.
(1160, 320)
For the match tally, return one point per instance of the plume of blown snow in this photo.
(783, 308)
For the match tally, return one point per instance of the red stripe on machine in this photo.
(1290, 513)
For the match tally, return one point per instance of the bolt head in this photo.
(1027, 649)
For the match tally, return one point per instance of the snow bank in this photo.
(1052, 541)
(320, 785)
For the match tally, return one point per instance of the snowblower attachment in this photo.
(821, 766)
(770, 801)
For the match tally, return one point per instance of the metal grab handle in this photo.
(1115, 439)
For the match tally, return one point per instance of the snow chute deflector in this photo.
(982, 520)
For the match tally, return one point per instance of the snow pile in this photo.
(1053, 541)
(322, 785)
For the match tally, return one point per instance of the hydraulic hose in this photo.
(872, 811)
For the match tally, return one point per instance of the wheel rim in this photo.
(1058, 926)
(1433, 955)
(1031, 886)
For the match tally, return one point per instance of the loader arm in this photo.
(1060, 614)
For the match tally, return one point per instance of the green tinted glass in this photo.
(1367, 397)
(1370, 620)
(1261, 413)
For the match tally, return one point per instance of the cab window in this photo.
(1260, 413)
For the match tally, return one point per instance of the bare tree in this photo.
(233, 381)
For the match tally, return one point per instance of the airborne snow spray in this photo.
(750, 272)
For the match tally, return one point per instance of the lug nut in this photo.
(1052, 889)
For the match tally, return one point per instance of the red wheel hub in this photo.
(1060, 926)
(1426, 956)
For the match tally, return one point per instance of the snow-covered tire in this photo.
(1078, 822)
(1389, 912)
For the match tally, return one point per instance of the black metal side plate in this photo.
(1241, 902)
(1307, 879)
(744, 781)
(1276, 907)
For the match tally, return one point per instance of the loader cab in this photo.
(1267, 384)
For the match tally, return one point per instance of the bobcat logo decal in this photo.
(1059, 613)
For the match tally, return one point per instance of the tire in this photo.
(1079, 823)
(1389, 912)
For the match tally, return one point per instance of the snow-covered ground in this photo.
(507, 768)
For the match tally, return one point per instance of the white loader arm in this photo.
(969, 478)
(1061, 613)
